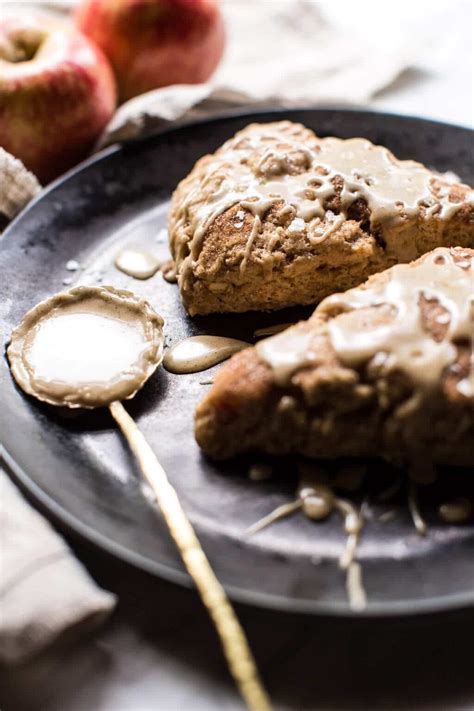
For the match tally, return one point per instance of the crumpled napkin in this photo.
(44, 590)
(17, 186)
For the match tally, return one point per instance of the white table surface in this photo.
(158, 653)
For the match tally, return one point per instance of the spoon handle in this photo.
(234, 642)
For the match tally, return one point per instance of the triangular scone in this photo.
(278, 217)
(384, 369)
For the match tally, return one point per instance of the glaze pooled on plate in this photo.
(137, 263)
(200, 353)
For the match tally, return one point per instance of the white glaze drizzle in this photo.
(287, 351)
(414, 509)
(256, 226)
(404, 343)
(317, 501)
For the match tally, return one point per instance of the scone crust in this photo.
(288, 263)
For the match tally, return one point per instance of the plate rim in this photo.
(73, 525)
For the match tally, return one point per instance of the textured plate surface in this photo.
(79, 469)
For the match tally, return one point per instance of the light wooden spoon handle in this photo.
(234, 642)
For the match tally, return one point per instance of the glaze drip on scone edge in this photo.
(402, 344)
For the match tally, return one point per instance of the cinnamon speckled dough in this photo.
(334, 402)
(279, 217)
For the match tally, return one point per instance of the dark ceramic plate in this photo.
(80, 471)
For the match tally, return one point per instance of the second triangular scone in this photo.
(384, 369)
(279, 217)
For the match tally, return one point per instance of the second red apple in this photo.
(155, 43)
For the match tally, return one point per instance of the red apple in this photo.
(154, 43)
(57, 92)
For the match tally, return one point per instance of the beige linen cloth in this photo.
(278, 52)
(44, 590)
